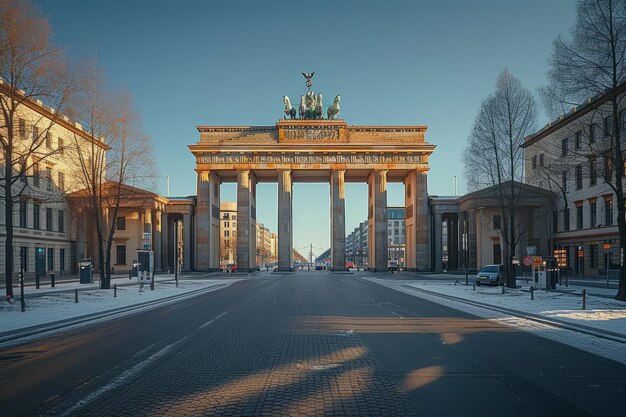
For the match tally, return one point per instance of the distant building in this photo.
(228, 233)
(356, 241)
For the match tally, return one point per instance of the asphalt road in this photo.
(310, 343)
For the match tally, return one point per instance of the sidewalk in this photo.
(54, 308)
(556, 315)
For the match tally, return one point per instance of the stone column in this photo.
(453, 243)
(246, 221)
(147, 228)
(338, 221)
(285, 220)
(186, 242)
(438, 244)
(207, 236)
(377, 221)
(417, 223)
(156, 238)
(140, 221)
(165, 243)
(473, 252)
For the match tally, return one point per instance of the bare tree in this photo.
(32, 73)
(593, 64)
(106, 169)
(493, 156)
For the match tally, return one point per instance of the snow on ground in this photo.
(57, 304)
(603, 314)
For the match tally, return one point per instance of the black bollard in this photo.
(37, 280)
(51, 280)
(76, 295)
(532, 292)
(114, 290)
(584, 299)
(503, 289)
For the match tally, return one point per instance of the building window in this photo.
(22, 128)
(577, 140)
(540, 159)
(48, 219)
(593, 214)
(593, 128)
(608, 168)
(120, 253)
(564, 147)
(593, 255)
(622, 118)
(36, 209)
(49, 178)
(24, 256)
(608, 212)
(497, 222)
(579, 217)
(555, 221)
(62, 260)
(566, 219)
(35, 133)
(593, 173)
(608, 126)
(50, 259)
(48, 140)
(120, 223)
(36, 175)
(564, 180)
(61, 181)
(22, 214)
(579, 176)
(61, 221)
(61, 146)
(534, 161)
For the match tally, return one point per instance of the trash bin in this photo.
(84, 267)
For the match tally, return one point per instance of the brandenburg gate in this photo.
(311, 149)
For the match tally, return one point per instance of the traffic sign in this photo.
(527, 261)
(537, 261)
(606, 246)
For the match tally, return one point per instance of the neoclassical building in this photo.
(317, 150)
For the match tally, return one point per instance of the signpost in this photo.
(607, 249)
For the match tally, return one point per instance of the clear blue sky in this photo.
(190, 63)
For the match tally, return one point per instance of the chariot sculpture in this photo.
(311, 105)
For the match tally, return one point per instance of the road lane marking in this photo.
(211, 321)
(123, 377)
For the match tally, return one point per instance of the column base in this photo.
(284, 271)
(341, 271)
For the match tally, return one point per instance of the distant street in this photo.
(310, 343)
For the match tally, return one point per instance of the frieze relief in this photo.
(311, 134)
(227, 158)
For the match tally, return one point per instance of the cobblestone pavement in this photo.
(309, 344)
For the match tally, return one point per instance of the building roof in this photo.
(58, 118)
(578, 111)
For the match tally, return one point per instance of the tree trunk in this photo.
(8, 220)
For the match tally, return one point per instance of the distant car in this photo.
(319, 266)
(490, 275)
(231, 268)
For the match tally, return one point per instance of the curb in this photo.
(13, 335)
(605, 334)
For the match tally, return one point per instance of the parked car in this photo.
(491, 275)
(231, 268)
